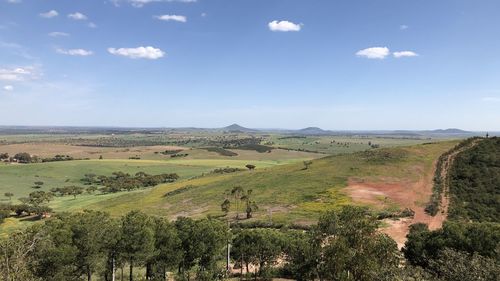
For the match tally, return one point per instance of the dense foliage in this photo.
(344, 245)
(120, 181)
(440, 176)
(457, 250)
(221, 151)
(475, 183)
(90, 244)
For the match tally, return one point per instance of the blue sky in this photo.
(347, 64)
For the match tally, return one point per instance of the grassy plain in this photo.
(283, 189)
(333, 145)
(289, 193)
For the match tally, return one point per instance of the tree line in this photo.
(26, 158)
(120, 181)
(343, 245)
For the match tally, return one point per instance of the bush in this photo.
(221, 151)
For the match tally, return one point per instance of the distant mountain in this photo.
(235, 128)
(450, 131)
(312, 131)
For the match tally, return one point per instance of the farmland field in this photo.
(286, 192)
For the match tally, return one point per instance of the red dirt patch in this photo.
(406, 194)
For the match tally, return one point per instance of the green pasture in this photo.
(339, 144)
(285, 193)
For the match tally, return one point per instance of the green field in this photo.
(19, 178)
(286, 193)
(283, 189)
(339, 144)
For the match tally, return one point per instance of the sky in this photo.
(340, 65)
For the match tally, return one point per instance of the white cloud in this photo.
(75, 52)
(58, 34)
(77, 16)
(138, 53)
(404, 54)
(92, 25)
(284, 26)
(49, 14)
(141, 3)
(171, 18)
(18, 73)
(14, 1)
(403, 27)
(8, 88)
(374, 53)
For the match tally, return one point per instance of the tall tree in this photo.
(137, 241)
(90, 233)
(250, 204)
(237, 193)
(168, 248)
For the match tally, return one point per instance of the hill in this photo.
(475, 183)
(235, 128)
(450, 131)
(312, 131)
(388, 180)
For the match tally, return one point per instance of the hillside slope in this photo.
(385, 179)
(475, 183)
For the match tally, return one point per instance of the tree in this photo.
(250, 167)
(23, 157)
(226, 206)
(451, 265)
(243, 249)
(75, 190)
(344, 245)
(188, 234)
(89, 179)
(39, 197)
(202, 244)
(250, 204)
(4, 156)
(423, 245)
(90, 231)
(16, 254)
(237, 193)
(352, 246)
(303, 255)
(260, 247)
(137, 241)
(168, 249)
(112, 247)
(212, 238)
(91, 189)
(9, 195)
(55, 254)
